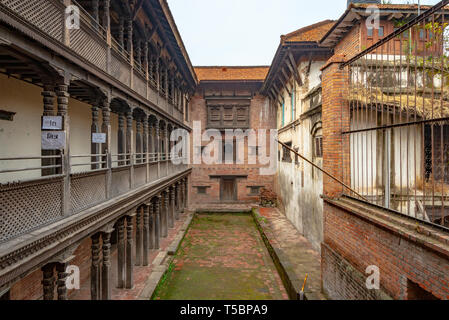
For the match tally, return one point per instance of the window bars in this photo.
(398, 131)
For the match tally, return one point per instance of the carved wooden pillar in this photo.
(96, 10)
(106, 128)
(121, 138)
(95, 293)
(107, 15)
(171, 217)
(172, 88)
(62, 91)
(129, 33)
(157, 141)
(157, 222)
(166, 82)
(129, 137)
(145, 140)
(121, 253)
(146, 234)
(63, 99)
(139, 236)
(48, 281)
(129, 252)
(166, 142)
(178, 199)
(62, 277)
(139, 140)
(158, 74)
(139, 52)
(151, 69)
(121, 32)
(145, 59)
(106, 267)
(152, 229)
(151, 141)
(186, 193)
(63, 103)
(164, 216)
(48, 95)
(95, 128)
(183, 204)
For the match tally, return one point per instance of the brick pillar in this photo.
(335, 116)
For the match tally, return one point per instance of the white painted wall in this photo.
(21, 137)
(301, 199)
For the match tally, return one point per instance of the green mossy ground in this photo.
(221, 257)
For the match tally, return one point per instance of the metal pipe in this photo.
(322, 170)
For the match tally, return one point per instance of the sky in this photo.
(247, 32)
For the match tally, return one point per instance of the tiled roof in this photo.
(312, 33)
(226, 73)
(391, 6)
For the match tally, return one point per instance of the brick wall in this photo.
(351, 244)
(351, 43)
(263, 116)
(410, 265)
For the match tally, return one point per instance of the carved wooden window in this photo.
(228, 117)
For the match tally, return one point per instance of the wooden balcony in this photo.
(90, 45)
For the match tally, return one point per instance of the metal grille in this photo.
(398, 133)
(86, 46)
(45, 15)
(87, 191)
(28, 206)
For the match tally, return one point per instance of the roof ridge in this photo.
(309, 27)
(236, 67)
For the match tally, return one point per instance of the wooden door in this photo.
(228, 189)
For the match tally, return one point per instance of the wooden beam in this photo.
(137, 8)
(295, 68)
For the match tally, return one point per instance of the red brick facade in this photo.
(261, 116)
(413, 264)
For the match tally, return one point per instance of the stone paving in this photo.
(293, 251)
(222, 257)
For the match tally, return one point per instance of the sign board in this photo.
(51, 123)
(53, 140)
(98, 137)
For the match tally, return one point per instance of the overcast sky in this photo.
(247, 32)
